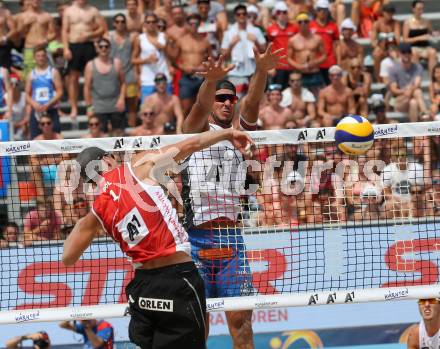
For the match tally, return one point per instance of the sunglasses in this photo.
(103, 46)
(119, 21)
(92, 124)
(150, 22)
(281, 12)
(150, 113)
(222, 98)
(48, 123)
(241, 14)
(158, 81)
(193, 22)
(429, 300)
(294, 80)
(304, 22)
(355, 67)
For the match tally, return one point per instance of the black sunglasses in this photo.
(103, 46)
(222, 98)
(47, 123)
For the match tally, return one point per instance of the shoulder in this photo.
(413, 336)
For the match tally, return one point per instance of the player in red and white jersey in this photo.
(166, 297)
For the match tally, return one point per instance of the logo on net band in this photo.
(156, 304)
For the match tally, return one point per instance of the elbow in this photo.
(67, 260)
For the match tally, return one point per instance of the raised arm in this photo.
(251, 102)
(197, 120)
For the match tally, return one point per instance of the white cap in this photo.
(322, 4)
(370, 190)
(335, 69)
(294, 176)
(348, 24)
(280, 6)
(252, 9)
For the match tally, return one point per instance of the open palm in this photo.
(215, 70)
(268, 60)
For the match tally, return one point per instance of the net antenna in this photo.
(312, 233)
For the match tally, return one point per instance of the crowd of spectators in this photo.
(140, 78)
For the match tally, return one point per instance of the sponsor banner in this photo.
(5, 170)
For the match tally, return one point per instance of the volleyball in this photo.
(354, 135)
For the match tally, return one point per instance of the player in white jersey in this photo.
(426, 335)
(211, 188)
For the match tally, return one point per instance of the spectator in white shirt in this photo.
(237, 45)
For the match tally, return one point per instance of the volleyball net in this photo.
(311, 225)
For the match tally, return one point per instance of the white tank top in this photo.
(426, 342)
(212, 182)
(149, 71)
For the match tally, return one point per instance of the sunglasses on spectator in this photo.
(222, 98)
(47, 123)
(281, 12)
(335, 75)
(429, 300)
(92, 124)
(148, 113)
(294, 80)
(151, 22)
(241, 14)
(103, 46)
(158, 81)
(304, 22)
(321, 9)
(119, 21)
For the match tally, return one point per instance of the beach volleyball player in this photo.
(166, 297)
(211, 201)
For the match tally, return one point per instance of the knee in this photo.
(240, 324)
(413, 103)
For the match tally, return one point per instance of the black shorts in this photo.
(81, 54)
(167, 307)
(189, 86)
(117, 120)
(5, 55)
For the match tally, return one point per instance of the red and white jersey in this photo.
(139, 217)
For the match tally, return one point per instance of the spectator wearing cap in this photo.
(258, 15)
(149, 55)
(417, 31)
(364, 13)
(405, 79)
(167, 105)
(188, 53)
(279, 33)
(5, 94)
(386, 31)
(122, 41)
(336, 100)
(237, 46)
(359, 82)
(348, 48)
(329, 32)
(149, 126)
(104, 89)
(306, 53)
(273, 116)
(293, 199)
(301, 102)
(40, 340)
(44, 90)
(434, 90)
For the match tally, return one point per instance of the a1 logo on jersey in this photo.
(132, 228)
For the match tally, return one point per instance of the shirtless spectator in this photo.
(94, 128)
(178, 28)
(237, 46)
(37, 28)
(82, 24)
(149, 55)
(417, 31)
(359, 82)
(211, 12)
(273, 116)
(61, 7)
(122, 42)
(190, 51)
(104, 89)
(301, 102)
(329, 33)
(386, 31)
(167, 105)
(149, 127)
(405, 85)
(336, 100)
(306, 53)
(258, 14)
(135, 19)
(44, 90)
(7, 36)
(165, 12)
(43, 223)
(348, 48)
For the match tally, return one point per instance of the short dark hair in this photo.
(120, 14)
(225, 84)
(39, 48)
(415, 2)
(150, 14)
(85, 157)
(194, 16)
(10, 225)
(240, 7)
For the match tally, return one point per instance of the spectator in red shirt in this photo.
(279, 34)
(329, 32)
